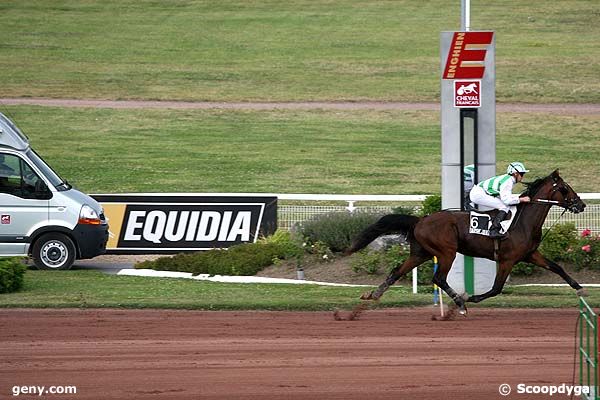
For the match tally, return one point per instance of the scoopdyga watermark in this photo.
(551, 390)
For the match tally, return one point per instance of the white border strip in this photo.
(225, 279)
(593, 285)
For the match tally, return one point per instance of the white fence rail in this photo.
(291, 214)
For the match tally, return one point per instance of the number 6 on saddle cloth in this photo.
(481, 222)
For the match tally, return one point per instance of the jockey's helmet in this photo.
(516, 167)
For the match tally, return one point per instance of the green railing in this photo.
(588, 349)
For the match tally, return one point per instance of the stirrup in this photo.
(497, 234)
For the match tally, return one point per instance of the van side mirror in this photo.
(41, 191)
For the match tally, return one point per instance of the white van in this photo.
(41, 215)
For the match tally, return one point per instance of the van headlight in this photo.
(88, 216)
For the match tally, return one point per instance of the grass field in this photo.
(301, 50)
(91, 289)
(288, 50)
(344, 152)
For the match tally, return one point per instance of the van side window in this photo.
(18, 179)
(10, 174)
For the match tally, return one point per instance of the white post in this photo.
(465, 15)
(414, 273)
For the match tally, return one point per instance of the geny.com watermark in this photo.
(43, 390)
(505, 389)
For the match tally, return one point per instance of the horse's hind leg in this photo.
(503, 272)
(414, 260)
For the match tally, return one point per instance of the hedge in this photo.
(12, 274)
(243, 259)
(336, 230)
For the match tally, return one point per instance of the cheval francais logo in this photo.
(467, 93)
(5, 220)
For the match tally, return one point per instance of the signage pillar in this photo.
(468, 122)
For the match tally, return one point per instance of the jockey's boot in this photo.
(495, 228)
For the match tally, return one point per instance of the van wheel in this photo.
(53, 251)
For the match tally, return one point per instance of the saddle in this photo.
(481, 221)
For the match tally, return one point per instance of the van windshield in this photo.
(48, 172)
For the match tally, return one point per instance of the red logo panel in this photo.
(467, 54)
(5, 220)
(467, 93)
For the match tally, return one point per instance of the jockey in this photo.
(496, 193)
(468, 177)
(468, 182)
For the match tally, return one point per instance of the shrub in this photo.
(321, 250)
(290, 246)
(243, 259)
(377, 261)
(405, 210)
(12, 273)
(424, 273)
(524, 269)
(336, 230)
(558, 241)
(432, 204)
(586, 252)
(369, 262)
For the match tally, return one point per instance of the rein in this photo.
(564, 204)
(553, 224)
(552, 202)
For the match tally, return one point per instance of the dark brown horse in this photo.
(445, 233)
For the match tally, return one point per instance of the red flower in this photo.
(586, 233)
(587, 248)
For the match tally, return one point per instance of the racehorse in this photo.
(445, 233)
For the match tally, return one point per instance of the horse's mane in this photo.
(531, 188)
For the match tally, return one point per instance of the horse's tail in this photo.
(392, 223)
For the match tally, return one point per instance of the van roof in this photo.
(11, 136)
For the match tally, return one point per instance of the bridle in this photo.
(569, 204)
(566, 204)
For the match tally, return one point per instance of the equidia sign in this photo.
(174, 223)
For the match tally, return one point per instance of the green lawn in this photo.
(95, 289)
(344, 152)
(250, 50)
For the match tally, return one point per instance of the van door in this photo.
(23, 203)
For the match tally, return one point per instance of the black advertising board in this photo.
(162, 223)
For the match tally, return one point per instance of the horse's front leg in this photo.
(538, 259)
(501, 276)
(440, 280)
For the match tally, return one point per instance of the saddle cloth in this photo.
(481, 222)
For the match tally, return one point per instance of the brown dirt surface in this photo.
(568, 109)
(387, 354)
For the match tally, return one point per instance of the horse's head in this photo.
(554, 189)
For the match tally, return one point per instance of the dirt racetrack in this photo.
(387, 354)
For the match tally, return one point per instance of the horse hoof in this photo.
(463, 312)
(582, 292)
(367, 296)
